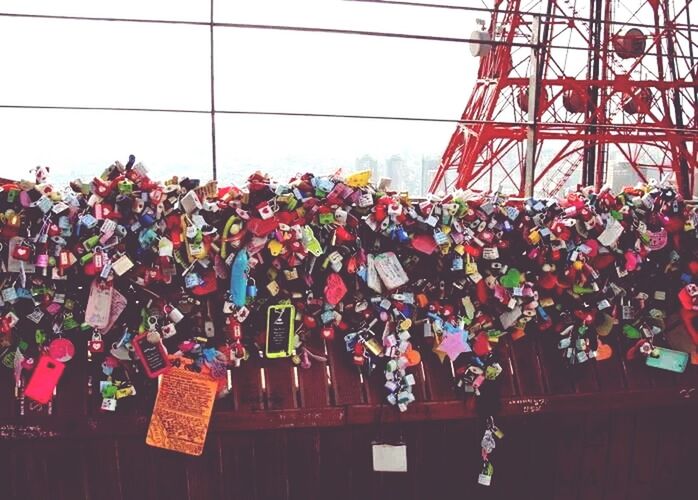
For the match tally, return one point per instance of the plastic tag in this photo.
(389, 458)
(98, 305)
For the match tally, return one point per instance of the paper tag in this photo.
(121, 265)
(389, 458)
(490, 253)
(118, 304)
(98, 305)
(372, 279)
(182, 412)
(611, 234)
(484, 479)
(390, 270)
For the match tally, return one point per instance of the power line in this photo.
(487, 10)
(454, 121)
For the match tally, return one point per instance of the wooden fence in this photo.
(605, 430)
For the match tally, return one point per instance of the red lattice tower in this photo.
(607, 82)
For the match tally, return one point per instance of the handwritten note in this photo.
(182, 412)
(390, 270)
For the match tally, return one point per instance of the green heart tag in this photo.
(511, 279)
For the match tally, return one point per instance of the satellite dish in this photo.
(477, 47)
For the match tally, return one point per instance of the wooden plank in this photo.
(527, 372)
(620, 451)
(609, 372)
(420, 388)
(101, 464)
(568, 436)
(280, 384)
(346, 381)
(507, 382)
(662, 378)
(643, 459)
(556, 372)
(303, 459)
(336, 469)
(7, 477)
(247, 385)
(668, 463)
(134, 474)
(205, 473)
(685, 456)
(637, 375)
(7, 393)
(167, 471)
(592, 470)
(373, 385)
(365, 483)
(30, 472)
(439, 377)
(239, 465)
(540, 464)
(313, 381)
(72, 392)
(271, 467)
(584, 377)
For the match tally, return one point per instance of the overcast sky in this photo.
(78, 63)
(50, 62)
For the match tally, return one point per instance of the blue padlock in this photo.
(147, 237)
(192, 280)
(251, 288)
(147, 219)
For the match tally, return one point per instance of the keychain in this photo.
(488, 445)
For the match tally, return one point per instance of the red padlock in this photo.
(95, 344)
(22, 252)
(358, 357)
(327, 332)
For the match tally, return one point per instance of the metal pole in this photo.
(530, 163)
(213, 103)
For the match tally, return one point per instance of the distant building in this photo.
(621, 174)
(368, 162)
(430, 165)
(395, 169)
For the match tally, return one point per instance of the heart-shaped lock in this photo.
(511, 279)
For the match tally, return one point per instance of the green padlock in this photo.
(91, 242)
(125, 186)
(631, 332)
(326, 218)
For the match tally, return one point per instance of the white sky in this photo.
(90, 63)
(79, 63)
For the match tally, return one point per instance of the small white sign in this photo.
(389, 458)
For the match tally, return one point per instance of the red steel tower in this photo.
(568, 89)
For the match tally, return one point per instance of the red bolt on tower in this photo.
(590, 87)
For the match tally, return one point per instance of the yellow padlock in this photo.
(534, 237)
(358, 179)
(275, 247)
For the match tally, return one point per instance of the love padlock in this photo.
(95, 344)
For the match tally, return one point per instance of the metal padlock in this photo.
(251, 288)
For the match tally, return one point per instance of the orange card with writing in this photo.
(182, 412)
